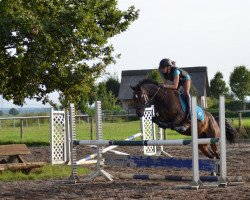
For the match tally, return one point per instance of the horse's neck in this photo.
(166, 98)
(150, 90)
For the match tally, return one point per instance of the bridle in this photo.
(147, 101)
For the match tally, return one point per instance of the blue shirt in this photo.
(177, 73)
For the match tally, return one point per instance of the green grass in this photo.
(45, 173)
(37, 136)
(245, 122)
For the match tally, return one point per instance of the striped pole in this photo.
(171, 177)
(73, 176)
(144, 142)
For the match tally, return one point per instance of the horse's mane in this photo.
(153, 82)
(148, 81)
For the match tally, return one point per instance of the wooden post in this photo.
(38, 120)
(91, 127)
(21, 128)
(240, 120)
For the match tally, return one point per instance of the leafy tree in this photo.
(218, 86)
(113, 85)
(13, 111)
(109, 101)
(62, 46)
(155, 75)
(193, 91)
(239, 82)
(107, 98)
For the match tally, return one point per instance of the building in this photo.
(132, 77)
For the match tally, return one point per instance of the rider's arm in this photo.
(175, 83)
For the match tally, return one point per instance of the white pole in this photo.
(72, 130)
(195, 153)
(99, 171)
(223, 163)
(51, 137)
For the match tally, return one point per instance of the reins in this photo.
(151, 100)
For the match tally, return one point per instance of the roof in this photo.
(132, 77)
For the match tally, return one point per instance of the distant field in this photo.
(40, 135)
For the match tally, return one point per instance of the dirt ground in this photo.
(238, 164)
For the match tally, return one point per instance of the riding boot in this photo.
(188, 103)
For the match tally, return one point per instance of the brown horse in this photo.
(169, 114)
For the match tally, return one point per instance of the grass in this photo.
(45, 173)
(245, 122)
(40, 136)
(34, 135)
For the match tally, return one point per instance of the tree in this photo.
(113, 85)
(193, 91)
(218, 86)
(1, 113)
(107, 98)
(239, 82)
(62, 46)
(155, 75)
(13, 111)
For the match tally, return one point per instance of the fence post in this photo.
(91, 127)
(240, 120)
(21, 128)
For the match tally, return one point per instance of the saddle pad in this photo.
(199, 111)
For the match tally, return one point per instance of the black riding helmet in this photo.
(166, 62)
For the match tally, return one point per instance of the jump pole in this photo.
(172, 177)
(110, 148)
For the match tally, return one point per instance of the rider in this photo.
(178, 77)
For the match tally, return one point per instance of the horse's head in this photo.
(140, 98)
(143, 95)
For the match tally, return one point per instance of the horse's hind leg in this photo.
(214, 147)
(213, 131)
(205, 150)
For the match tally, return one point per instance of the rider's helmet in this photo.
(166, 62)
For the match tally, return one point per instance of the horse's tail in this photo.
(231, 132)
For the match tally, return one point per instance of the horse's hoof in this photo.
(180, 128)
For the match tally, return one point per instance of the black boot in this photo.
(188, 104)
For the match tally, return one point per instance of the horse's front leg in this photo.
(161, 123)
(178, 119)
(178, 123)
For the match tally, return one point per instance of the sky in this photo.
(211, 33)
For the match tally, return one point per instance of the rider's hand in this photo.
(162, 85)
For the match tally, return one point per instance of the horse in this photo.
(169, 114)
